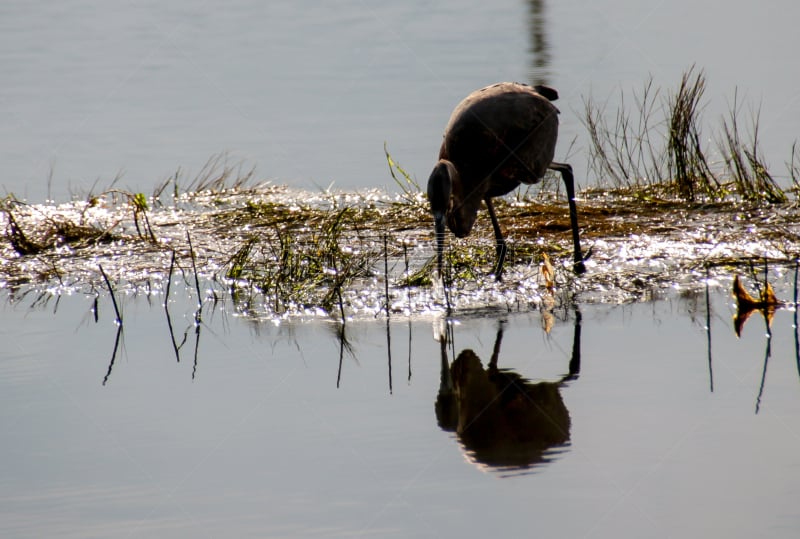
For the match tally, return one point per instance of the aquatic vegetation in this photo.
(408, 185)
(658, 145)
(670, 222)
(277, 252)
(54, 229)
(687, 164)
(743, 159)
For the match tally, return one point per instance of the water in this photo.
(309, 92)
(258, 427)
(268, 431)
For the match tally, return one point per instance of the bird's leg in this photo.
(498, 340)
(500, 242)
(569, 183)
(575, 359)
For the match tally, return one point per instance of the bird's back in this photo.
(505, 133)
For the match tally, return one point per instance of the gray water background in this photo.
(308, 92)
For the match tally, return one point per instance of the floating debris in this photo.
(746, 304)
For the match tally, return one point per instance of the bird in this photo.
(497, 138)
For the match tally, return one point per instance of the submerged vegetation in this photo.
(671, 215)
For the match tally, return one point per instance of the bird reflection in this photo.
(503, 421)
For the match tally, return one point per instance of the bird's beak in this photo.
(438, 227)
(440, 187)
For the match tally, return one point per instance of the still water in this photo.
(309, 91)
(617, 423)
(621, 421)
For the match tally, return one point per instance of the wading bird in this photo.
(497, 138)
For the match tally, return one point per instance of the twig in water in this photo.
(338, 288)
(175, 346)
(113, 298)
(196, 278)
(708, 333)
(386, 273)
(796, 335)
(113, 354)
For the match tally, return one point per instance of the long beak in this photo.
(440, 186)
(438, 226)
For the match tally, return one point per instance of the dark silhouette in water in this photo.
(497, 138)
(539, 46)
(503, 420)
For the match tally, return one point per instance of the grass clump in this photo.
(687, 164)
(744, 161)
(659, 147)
(624, 151)
(45, 231)
(50, 231)
(306, 266)
(794, 169)
(217, 175)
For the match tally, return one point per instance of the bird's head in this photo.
(440, 188)
(451, 203)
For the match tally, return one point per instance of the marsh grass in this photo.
(409, 186)
(626, 153)
(306, 262)
(77, 230)
(687, 165)
(744, 161)
(53, 231)
(219, 174)
(658, 145)
(793, 165)
(278, 254)
(279, 251)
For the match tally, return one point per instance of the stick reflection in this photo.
(503, 421)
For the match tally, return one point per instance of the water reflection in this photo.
(117, 340)
(796, 334)
(344, 345)
(118, 320)
(176, 346)
(765, 303)
(504, 421)
(540, 46)
(198, 322)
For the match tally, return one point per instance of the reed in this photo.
(659, 148)
(626, 152)
(687, 165)
(744, 160)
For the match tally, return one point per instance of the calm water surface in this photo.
(309, 91)
(614, 424)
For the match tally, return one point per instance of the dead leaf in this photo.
(746, 304)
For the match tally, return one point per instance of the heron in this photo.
(497, 138)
